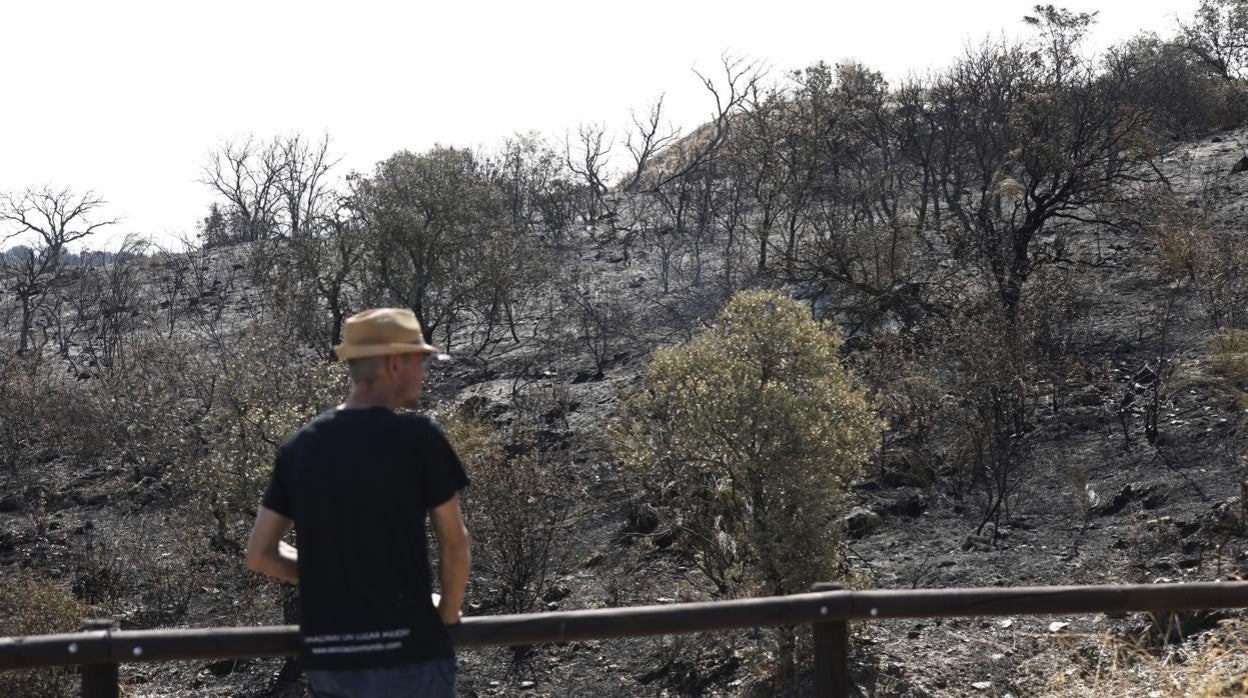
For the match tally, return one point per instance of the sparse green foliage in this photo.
(992, 377)
(1218, 37)
(1060, 32)
(745, 441)
(257, 393)
(952, 223)
(514, 510)
(744, 444)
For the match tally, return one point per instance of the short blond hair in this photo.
(365, 370)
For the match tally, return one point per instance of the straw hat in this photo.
(382, 331)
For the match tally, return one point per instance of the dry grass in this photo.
(1210, 262)
(1228, 356)
(1184, 239)
(1213, 663)
(31, 604)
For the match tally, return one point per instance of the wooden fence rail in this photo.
(100, 648)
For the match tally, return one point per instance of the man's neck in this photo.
(364, 396)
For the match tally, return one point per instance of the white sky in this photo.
(126, 98)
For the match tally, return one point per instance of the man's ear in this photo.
(392, 362)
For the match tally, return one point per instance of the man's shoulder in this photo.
(335, 423)
(420, 424)
(308, 429)
(312, 424)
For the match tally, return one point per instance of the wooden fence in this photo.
(101, 647)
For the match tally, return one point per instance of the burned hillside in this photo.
(1026, 273)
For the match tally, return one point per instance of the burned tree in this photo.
(1012, 155)
(50, 220)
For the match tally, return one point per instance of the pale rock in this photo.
(860, 521)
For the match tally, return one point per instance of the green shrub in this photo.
(745, 441)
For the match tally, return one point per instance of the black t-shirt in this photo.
(358, 484)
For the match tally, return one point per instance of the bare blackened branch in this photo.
(705, 143)
(646, 140)
(587, 159)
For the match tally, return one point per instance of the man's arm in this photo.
(452, 534)
(267, 553)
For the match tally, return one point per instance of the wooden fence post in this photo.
(832, 678)
(101, 680)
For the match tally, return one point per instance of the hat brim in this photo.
(346, 352)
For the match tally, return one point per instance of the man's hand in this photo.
(450, 616)
(437, 603)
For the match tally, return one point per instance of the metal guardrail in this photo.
(101, 647)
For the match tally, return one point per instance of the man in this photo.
(356, 483)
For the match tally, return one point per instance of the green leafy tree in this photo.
(745, 442)
(428, 214)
